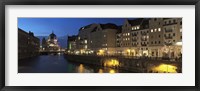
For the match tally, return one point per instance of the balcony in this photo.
(143, 44)
(134, 40)
(170, 24)
(134, 34)
(118, 41)
(170, 30)
(168, 37)
(134, 44)
(118, 36)
(143, 39)
(168, 43)
(143, 33)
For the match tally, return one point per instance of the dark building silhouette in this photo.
(28, 44)
(71, 42)
(44, 44)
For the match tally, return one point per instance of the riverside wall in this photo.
(141, 65)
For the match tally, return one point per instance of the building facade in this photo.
(103, 39)
(172, 37)
(44, 44)
(133, 39)
(28, 44)
(71, 43)
(52, 43)
(148, 37)
(83, 40)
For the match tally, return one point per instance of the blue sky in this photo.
(61, 26)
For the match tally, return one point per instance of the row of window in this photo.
(143, 37)
(133, 44)
(104, 44)
(152, 30)
(153, 36)
(126, 34)
(126, 38)
(135, 28)
(170, 21)
(155, 42)
(156, 30)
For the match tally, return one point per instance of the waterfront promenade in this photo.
(139, 64)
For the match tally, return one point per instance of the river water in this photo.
(59, 64)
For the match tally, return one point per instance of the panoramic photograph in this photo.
(100, 45)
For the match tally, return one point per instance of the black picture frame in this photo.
(3, 3)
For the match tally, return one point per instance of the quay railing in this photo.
(146, 58)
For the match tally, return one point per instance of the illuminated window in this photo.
(181, 30)
(132, 28)
(128, 34)
(155, 29)
(159, 29)
(70, 46)
(135, 28)
(85, 41)
(79, 38)
(104, 35)
(126, 38)
(151, 30)
(138, 27)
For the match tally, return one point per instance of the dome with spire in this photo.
(52, 35)
(52, 42)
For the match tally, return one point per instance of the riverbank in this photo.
(142, 65)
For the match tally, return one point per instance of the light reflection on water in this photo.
(84, 69)
(58, 64)
(164, 68)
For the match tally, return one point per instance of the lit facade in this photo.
(103, 39)
(142, 37)
(71, 43)
(172, 37)
(133, 39)
(52, 43)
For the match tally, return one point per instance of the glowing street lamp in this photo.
(128, 51)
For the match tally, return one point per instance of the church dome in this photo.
(52, 36)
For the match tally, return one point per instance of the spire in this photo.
(52, 31)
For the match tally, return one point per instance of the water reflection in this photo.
(111, 62)
(100, 71)
(59, 64)
(164, 68)
(82, 69)
(112, 71)
(91, 69)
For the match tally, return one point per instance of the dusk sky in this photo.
(61, 26)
